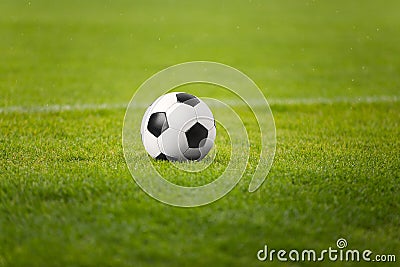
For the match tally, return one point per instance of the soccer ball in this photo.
(178, 127)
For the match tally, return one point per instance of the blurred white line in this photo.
(60, 108)
(313, 101)
(232, 102)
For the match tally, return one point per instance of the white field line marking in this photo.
(253, 103)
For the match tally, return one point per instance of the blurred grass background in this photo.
(97, 51)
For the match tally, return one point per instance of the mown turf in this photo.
(67, 198)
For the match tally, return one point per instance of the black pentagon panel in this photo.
(161, 157)
(187, 99)
(157, 123)
(195, 134)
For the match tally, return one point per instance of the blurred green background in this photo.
(101, 51)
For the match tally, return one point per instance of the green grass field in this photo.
(68, 69)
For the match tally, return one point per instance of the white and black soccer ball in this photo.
(178, 127)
